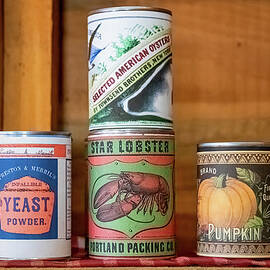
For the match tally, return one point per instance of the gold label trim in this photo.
(233, 157)
(233, 249)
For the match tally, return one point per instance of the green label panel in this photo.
(153, 146)
(131, 197)
(132, 248)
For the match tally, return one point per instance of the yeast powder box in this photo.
(35, 195)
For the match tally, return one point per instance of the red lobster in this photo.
(140, 190)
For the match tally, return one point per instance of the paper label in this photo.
(130, 82)
(131, 197)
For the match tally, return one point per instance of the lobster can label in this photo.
(129, 68)
(234, 200)
(131, 195)
(35, 195)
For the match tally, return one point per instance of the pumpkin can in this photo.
(131, 194)
(129, 68)
(35, 195)
(233, 212)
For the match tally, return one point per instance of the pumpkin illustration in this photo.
(225, 202)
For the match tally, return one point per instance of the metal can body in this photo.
(129, 63)
(131, 194)
(35, 195)
(234, 199)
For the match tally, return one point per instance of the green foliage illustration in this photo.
(255, 222)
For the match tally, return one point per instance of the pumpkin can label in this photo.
(131, 197)
(234, 203)
(129, 69)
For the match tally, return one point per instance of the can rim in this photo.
(35, 133)
(232, 144)
(129, 132)
(129, 8)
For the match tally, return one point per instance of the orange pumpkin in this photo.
(225, 202)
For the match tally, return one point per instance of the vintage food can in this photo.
(131, 194)
(234, 199)
(35, 195)
(129, 68)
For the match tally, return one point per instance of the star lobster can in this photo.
(131, 194)
(129, 68)
(234, 199)
(35, 195)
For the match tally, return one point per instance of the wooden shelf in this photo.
(221, 83)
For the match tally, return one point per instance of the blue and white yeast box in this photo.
(35, 195)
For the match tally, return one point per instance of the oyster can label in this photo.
(131, 196)
(234, 202)
(35, 197)
(129, 69)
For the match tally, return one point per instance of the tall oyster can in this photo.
(129, 68)
(131, 194)
(234, 199)
(35, 195)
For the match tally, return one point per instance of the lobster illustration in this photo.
(134, 190)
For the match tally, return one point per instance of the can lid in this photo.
(219, 146)
(129, 8)
(35, 133)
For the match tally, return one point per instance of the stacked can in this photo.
(131, 140)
